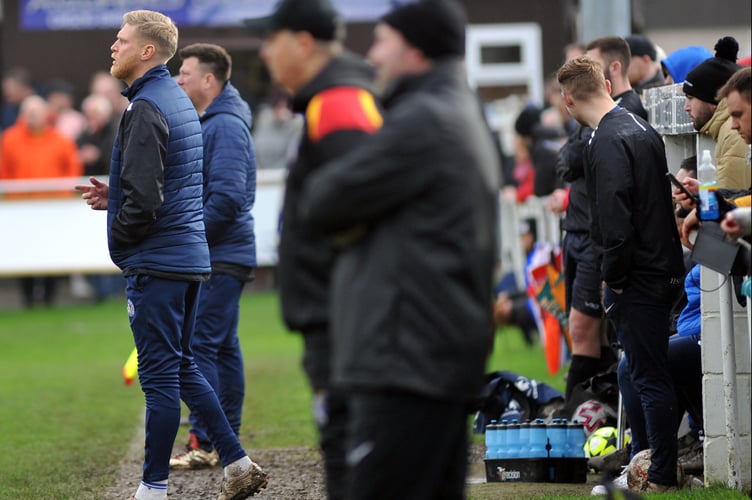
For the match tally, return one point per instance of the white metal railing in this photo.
(512, 214)
(46, 236)
(264, 177)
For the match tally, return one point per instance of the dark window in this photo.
(499, 54)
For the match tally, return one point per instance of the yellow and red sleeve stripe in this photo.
(339, 109)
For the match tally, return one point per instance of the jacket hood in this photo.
(713, 127)
(682, 61)
(230, 102)
(344, 70)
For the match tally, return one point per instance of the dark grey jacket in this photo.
(571, 168)
(411, 303)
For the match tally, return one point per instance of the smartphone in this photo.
(682, 188)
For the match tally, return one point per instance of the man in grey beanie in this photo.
(412, 287)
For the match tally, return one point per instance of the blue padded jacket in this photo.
(229, 179)
(169, 239)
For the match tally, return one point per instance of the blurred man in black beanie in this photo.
(436, 28)
(412, 293)
(711, 117)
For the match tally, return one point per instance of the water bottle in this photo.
(524, 443)
(492, 433)
(503, 439)
(513, 440)
(557, 436)
(575, 440)
(708, 199)
(538, 439)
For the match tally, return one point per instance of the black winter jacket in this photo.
(335, 124)
(633, 227)
(544, 154)
(412, 297)
(571, 169)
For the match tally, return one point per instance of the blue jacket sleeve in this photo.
(228, 151)
(690, 319)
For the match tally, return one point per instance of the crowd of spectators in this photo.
(74, 137)
(703, 75)
(46, 131)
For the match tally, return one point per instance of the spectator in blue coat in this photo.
(229, 193)
(680, 62)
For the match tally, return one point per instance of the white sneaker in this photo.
(621, 481)
(598, 490)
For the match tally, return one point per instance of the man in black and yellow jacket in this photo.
(303, 51)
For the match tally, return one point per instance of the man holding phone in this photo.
(591, 353)
(636, 242)
(682, 189)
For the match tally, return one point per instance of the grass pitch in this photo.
(67, 419)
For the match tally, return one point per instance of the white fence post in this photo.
(725, 326)
(729, 378)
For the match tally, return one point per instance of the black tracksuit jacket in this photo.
(633, 227)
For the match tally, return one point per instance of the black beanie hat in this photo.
(640, 45)
(704, 81)
(528, 118)
(436, 27)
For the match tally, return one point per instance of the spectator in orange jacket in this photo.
(31, 149)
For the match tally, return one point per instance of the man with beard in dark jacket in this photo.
(229, 193)
(590, 351)
(303, 51)
(636, 243)
(412, 292)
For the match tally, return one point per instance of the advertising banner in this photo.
(41, 15)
